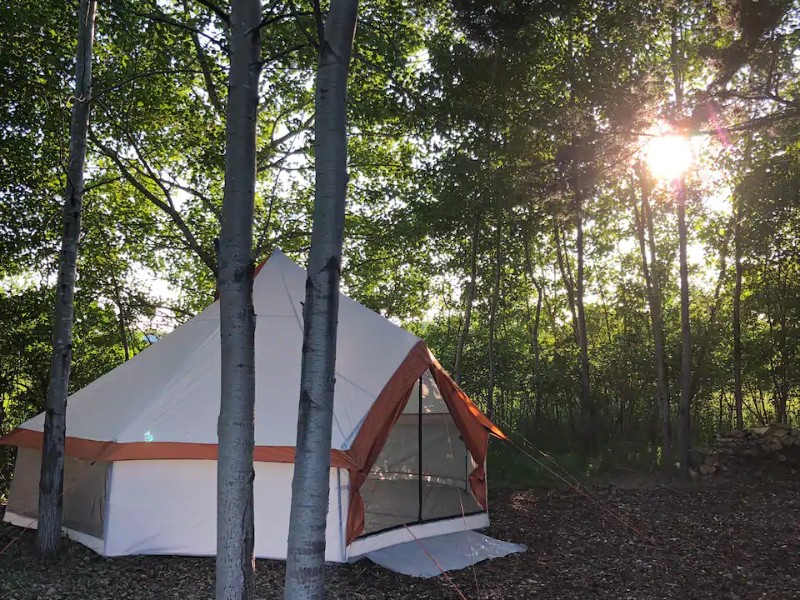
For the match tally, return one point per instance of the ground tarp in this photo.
(430, 556)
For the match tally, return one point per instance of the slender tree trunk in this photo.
(653, 288)
(737, 312)
(783, 395)
(498, 267)
(305, 573)
(3, 449)
(536, 360)
(535, 333)
(702, 346)
(123, 332)
(587, 405)
(684, 427)
(567, 279)
(51, 480)
(473, 268)
(235, 428)
(122, 321)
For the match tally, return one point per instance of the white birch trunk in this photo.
(51, 480)
(305, 575)
(235, 428)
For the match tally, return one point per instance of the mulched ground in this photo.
(720, 539)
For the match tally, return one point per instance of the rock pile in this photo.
(750, 451)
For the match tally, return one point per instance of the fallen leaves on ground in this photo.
(722, 540)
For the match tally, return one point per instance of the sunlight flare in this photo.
(668, 156)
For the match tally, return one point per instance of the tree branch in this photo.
(207, 202)
(100, 183)
(162, 18)
(276, 143)
(98, 93)
(167, 207)
(296, 14)
(318, 19)
(282, 54)
(208, 78)
(217, 11)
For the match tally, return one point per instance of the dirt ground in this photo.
(720, 539)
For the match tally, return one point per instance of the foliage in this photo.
(468, 118)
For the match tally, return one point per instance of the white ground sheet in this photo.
(452, 551)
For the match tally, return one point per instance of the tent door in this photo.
(422, 472)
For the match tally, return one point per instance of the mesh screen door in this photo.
(422, 472)
(84, 491)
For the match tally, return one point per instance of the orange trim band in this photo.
(114, 451)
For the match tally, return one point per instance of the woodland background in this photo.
(495, 187)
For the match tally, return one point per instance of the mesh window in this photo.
(422, 472)
(84, 491)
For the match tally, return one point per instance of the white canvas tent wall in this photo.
(141, 448)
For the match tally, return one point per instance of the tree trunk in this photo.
(2, 406)
(587, 405)
(704, 338)
(123, 332)
(498, 267)
(305, 573)
(737, 312)
(51, 480)
(122, 321)
(653, 288)
(535, 332)
(783, 395)
(235, 428)
(473, 268)
(536, 362)
(566, 277)
(684, 428)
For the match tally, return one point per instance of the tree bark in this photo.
(305, 573)
(492, 350)
(684, 426)
(51, 480)
(653, 288)
(235, 530)
(587, 405)
(473, 268)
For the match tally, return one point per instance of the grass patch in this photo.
(510, 467)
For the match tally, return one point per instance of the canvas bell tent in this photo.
(408, 455)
